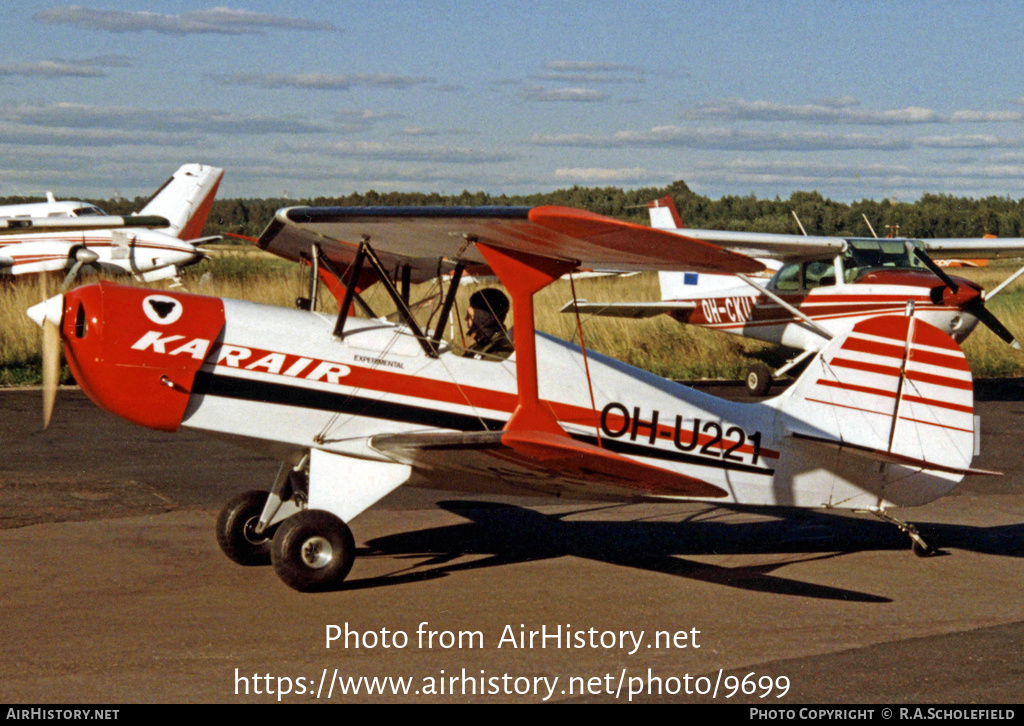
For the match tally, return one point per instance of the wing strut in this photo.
(523, 275)
(786, 306)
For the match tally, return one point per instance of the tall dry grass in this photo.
(659, 344)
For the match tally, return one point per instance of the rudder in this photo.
(185, 199)
(897, 391)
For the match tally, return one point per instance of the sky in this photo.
(855, 100)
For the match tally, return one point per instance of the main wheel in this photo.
(759, 379)
(312, 550)
(236, 530)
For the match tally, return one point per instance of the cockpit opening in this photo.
(860, 257)
(863, 255)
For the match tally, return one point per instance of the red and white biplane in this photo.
(821, 287)
(357, 406)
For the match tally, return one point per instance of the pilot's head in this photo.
(487, 310)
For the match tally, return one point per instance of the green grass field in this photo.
(659, 345)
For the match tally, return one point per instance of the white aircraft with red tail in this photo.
(153, 245)
(822, 287)
(358, 406)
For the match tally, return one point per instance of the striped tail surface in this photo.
(894, 396)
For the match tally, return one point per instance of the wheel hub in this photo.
(249, 531)
(317, 552)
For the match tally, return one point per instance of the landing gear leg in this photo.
(918, 544)
(246, 525)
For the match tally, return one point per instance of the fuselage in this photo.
(128, 251)
(741, 310)
(278, 380)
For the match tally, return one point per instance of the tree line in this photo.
(933, 215)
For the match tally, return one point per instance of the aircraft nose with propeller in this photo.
(357, 406)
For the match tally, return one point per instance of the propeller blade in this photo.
(83, 256)
(72, 274)
(51, 368)
(977, 308)
(938, 271)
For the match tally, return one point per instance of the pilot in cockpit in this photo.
(486, 320)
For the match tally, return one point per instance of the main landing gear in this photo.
(311, 549)
(759, 377)
(758, 380)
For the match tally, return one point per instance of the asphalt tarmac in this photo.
(115, 592)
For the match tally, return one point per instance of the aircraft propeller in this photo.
(47, 315)
(974, 305)
(83, 256)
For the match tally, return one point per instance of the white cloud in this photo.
(842, 111)
(82, 116)
(569, 71)
(381, 151)
(321, 81)
(214, 20)
(599, 175)
(572, 95)
(725, 138)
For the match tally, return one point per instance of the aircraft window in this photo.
(863, 255)
(819, 273)
(89, 212)
(58, 214)
(788, 278)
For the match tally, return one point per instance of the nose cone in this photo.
(52, 310)
(966, 293)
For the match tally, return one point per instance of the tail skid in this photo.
(892, 401)
(185, 199)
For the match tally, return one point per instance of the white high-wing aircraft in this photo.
(51, 208)
(153, 245)
(356, 407)
(822, 288)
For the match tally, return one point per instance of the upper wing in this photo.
(796, 247)
(975, 248)
(29, 225)
(421, 236)
(785, 247)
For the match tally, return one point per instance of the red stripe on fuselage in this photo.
(401, 384)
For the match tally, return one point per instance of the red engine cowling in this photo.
(135, 352)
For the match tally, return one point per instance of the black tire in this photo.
(922, 548)
(235, 533)
(759, 379)
(313, 551)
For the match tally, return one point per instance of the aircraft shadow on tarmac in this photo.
(505, 534)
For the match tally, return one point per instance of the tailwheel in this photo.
(312, 550)
(918, 544)
(236, 530)
(759, 379)
(920, 547)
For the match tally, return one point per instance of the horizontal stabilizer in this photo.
(534, 456)
(625, 310)
(890, 458)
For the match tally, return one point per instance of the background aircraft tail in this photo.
(892, 404)
(664, 214)
(185, 199)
